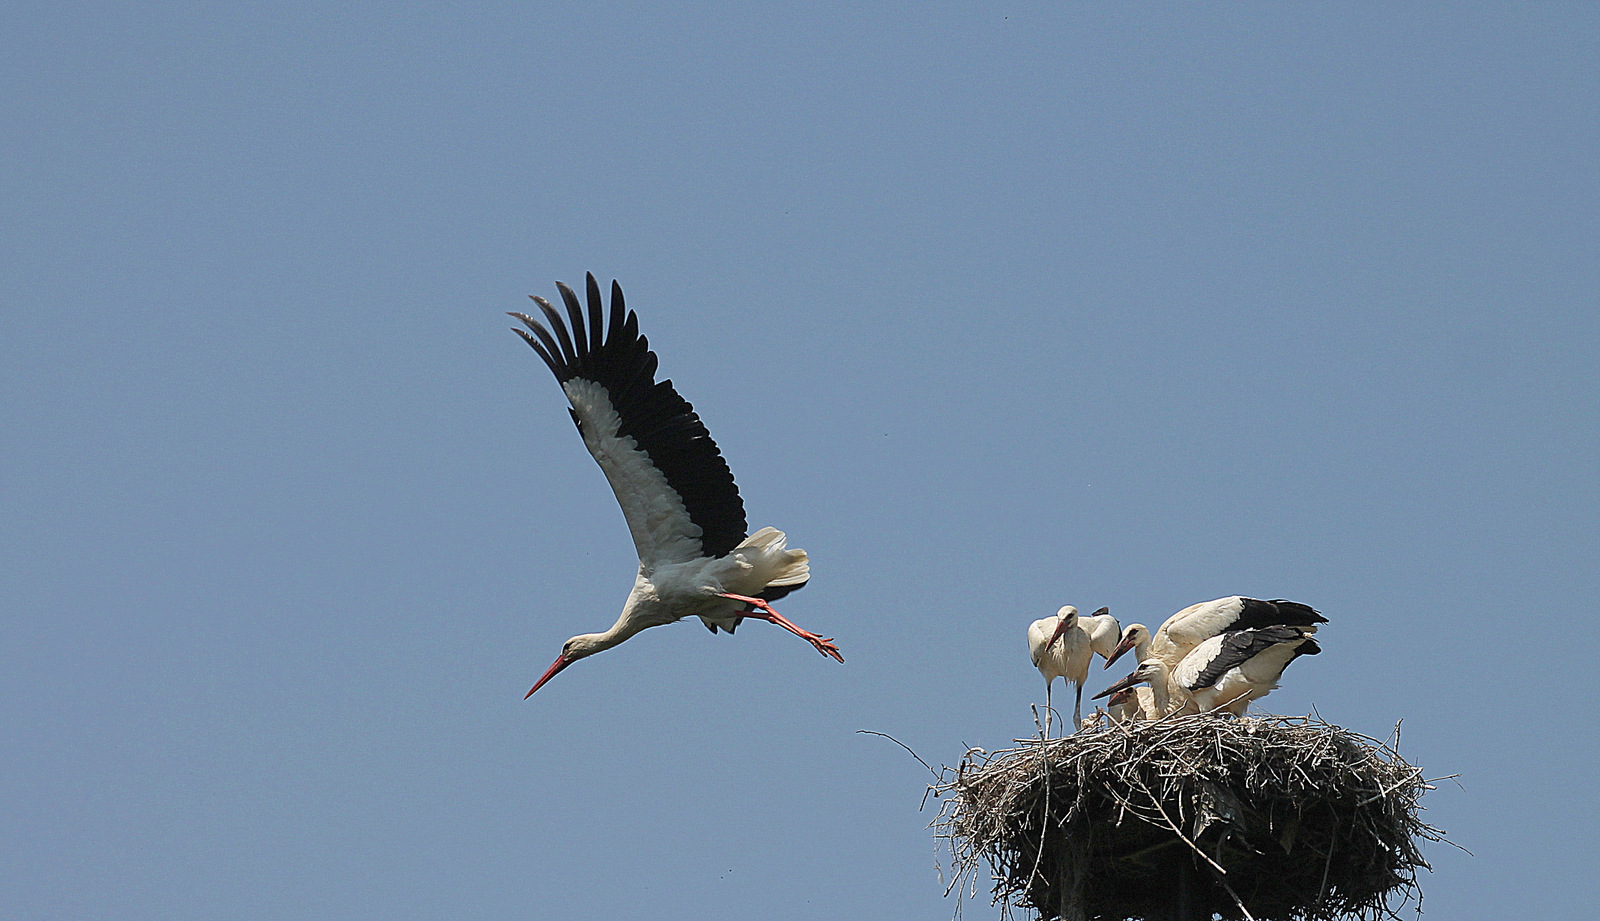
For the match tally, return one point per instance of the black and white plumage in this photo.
(1191, 641)
(676, 491)
(1225, 672)
(1183, 631)
(1230, 670)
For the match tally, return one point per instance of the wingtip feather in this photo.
(558, 327)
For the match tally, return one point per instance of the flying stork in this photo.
(1063, 645)
(675, 489)
(1225, 672)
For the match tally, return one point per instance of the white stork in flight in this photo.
(675, 489)
(1225, 672)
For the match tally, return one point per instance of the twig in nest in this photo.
(874, 732)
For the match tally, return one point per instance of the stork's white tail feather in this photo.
(766, 552)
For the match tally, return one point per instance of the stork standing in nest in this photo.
(1062, 646)
(675, 489)
(1225, 672)
(1182, 632)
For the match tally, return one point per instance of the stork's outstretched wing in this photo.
(675, 489)
(1213, 658)
(1199, 622)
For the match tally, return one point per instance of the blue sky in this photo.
(991, 307)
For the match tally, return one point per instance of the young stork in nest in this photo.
(675, 489)
(1182, 632)
(1133, 705)
(1225, 672)
(1062, 646)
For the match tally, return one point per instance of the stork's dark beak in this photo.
(1123, 685)
(1061, 627)
(1122, 647)
(560, 663)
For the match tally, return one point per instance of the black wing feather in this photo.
(1239, 647)
(775, 592)
(662, 422)
(549, 362)
(575, 314)
(597, 317)
(568, 354)
(618, 311)
(550, 350)
(1255, 614)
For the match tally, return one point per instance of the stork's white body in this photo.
(1217, 678)
(1059, 650)
(1182, 633)
(698, 587)
(676, 492)
(1103, 632)
(1223, 673)
(1064, 645)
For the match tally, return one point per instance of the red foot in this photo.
(824, 645)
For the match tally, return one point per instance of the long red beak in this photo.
(1122, 647)
(1060, 629)
(560, 663)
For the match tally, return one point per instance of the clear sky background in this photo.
(992, 307)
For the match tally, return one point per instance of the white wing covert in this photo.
(1199, 622)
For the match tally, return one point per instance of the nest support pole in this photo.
(1184, 907)
(1191, 884)
(1071, 862)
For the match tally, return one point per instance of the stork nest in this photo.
(1277, 818)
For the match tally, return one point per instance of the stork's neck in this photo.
(643, 609)
(1158, 693)
(587, 644)
(626, 626)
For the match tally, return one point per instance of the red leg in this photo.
(824, 645)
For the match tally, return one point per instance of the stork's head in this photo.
(1132, 636)
(1065, 618)
(1148, 670)
(584, 644)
